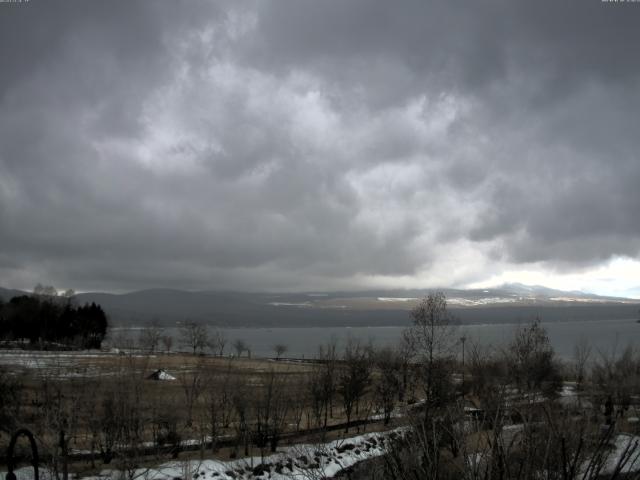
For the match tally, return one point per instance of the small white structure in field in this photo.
(161, 375)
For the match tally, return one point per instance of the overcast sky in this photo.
(320, 145)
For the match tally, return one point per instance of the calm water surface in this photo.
(606, 336)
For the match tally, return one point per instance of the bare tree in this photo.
(192, 383)
(270, 408)
(531, 360)
(120, 421)
(240, 346)
(218, 342)
(547, 443)
(299, 399)
(489, 382)
(318, 394)
(11, 395)
(279, 349)
(387, 382)
(218, 403)
(45, 290)
(69, 293)
(581, 356)
(433, 338)
(618, 376)
(322, 384)
(240, 402)
(354, 378)
(57, 419)
(167, 342)
(194, 335)
(165, 418)
(406, 354)
(150, 337)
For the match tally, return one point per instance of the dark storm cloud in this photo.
(270, 145)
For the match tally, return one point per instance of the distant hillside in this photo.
(8, 293)
(374, 308)
(508, 303)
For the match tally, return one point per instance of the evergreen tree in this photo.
(44, 319)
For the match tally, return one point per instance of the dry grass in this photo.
(83, 380)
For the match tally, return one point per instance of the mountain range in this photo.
(507, 303)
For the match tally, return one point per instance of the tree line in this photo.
(47, 320)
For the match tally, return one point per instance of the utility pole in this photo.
(462, 340)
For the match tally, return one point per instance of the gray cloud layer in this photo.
(305, 144)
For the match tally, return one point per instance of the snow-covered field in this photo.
(60, 364)
(469, 302)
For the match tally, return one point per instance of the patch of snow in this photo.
(468, 302)
(626, 449)
(287, 304)
(165, 376)
(161, 375)
(297, 461)
(396, 299)
(586, 300)
(509, 433)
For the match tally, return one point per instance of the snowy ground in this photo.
(625, 455)
(61, 364)
(304, 461)
(569, 397)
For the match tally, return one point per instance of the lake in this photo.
(605, 336)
